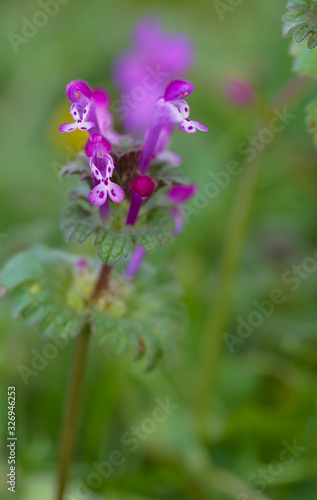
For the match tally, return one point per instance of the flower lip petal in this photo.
(85, 125)
(98, 195)
(76, 89)
(178, 89)
(97, 144)
(116, 193)
(180, 194)
(143, 186)
(67, 127)
(187, 126)
(200, 126)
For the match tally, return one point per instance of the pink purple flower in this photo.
(143, 72)
(141, 189)
(169, 110)
(178, 195)
(105, 188)
(101, 164)
(98, 150)
(90, 110)
(135, 263)
(239, 91)
(79, 94)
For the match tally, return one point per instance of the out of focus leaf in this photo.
(48, 290)
(147, 318)
(311, 119)
(304, 60)
(41, 282)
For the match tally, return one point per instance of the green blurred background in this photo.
(265, 392)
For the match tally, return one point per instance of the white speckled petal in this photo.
(98, 195)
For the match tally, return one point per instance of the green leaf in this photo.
(134, 321)
(144, 316)
(79, 167)
(79, 220)
(148, 242)
(160, 226)
(114, 240)
(304, 60)
(301, 21)
(40, 283)
(112, 246)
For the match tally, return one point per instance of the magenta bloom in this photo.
(135, 263)
(141, 188)
(81, 265)
(100, 108)
(239, 91)
(179, 195)
(90, 110)
(169, 110)
(101, 165)
(79, 94)
(99, 194)
(98, 151)
(155, 101)
(143, 73)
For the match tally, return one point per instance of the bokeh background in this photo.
(265, 391)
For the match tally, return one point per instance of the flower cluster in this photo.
(90, 109)
(141, 74)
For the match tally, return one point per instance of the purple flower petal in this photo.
(200, 126)
(143, 73)
(166, 114)
(116, 193)
(143, 186)
(187, 126)
(85, 125)
(101, 101)
(96, 172)
(76, 89)
(179, 216)
(181, 194)
(178, 89)
(98, 195)
(81, 265)
(67, 127)
(135, 262)
(97, 144)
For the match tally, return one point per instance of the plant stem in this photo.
(75, 390)
(234, 242)
(72, 410)
(102, 283)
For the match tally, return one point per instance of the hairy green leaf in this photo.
(78, 167)
(112, 246)
(41, 283)
(48, 289)
(301, 21)
(115, 240)
(146, 318)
